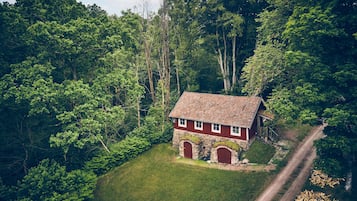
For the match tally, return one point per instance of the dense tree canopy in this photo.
(305, 62)
(60, 86)
(83, 91)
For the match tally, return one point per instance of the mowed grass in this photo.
(155, 176)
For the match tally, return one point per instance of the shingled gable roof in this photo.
(213, 108)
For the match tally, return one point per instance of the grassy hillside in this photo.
(154, 176)
(259, 152)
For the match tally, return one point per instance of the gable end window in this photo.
(235, 131)
(198, 125)
(216, 128)
(182, 123)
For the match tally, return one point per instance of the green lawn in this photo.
(155, 176)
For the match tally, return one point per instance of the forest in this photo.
(83, 91)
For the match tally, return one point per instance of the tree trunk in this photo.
(222, 61)
(147, 49)
(138, 98)
(138, 112)
(178, 81)
(74, 73)
(149, 69)
(221, 65)
(225, 62)
(24, 162)
(163, 106)
(177, 74)
(166, 55)
(234, 67)
(105, 146)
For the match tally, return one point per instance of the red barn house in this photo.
(215, 127)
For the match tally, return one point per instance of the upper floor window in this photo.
(216, 128)
(198, 125)
(235, 130)
(182, 123)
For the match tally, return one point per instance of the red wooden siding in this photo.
(225, 130)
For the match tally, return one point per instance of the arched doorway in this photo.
(224, 155)
(187, 150)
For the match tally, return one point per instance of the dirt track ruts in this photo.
(304, 149)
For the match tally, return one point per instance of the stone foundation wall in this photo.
(204, 148)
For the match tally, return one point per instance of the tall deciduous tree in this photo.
(229, 27)
(29, 101)
(96, 113)
(263, 69)
(165, 73)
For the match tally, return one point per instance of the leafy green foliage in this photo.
(156, 127)
(262, 69)
(272, 24)
(316, 80)
(122, 151)
(259, 152)
(203, 28)
(75, 78)
(307, 27)
(58, 86)
(87, 122)
(281, 104)
(337, 117)
(334, 152)
(50, 181)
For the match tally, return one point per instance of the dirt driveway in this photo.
(304, 152)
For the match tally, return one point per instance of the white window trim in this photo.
(216, 131)
(182, 125)
(247, 134)
(198, 128)
(234, 133)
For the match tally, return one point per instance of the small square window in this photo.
(235, 130)
(216, 128)
(198, 125)
(182, 123)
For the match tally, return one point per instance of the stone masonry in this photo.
(204, 149)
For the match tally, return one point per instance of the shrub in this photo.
(259, 152)
(153, 132)
(50, 181)
(121, 152)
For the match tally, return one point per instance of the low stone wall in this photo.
(204, 148)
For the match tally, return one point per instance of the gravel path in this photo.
(298, 184)
(299, 156)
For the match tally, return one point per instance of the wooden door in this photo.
(224, 155)
(187, 147)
